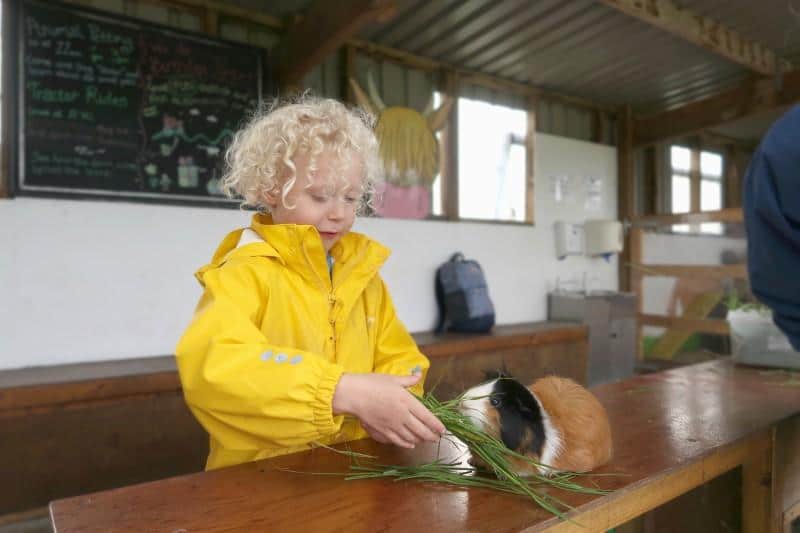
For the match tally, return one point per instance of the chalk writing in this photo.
(113, 105)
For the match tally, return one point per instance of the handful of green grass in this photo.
(492, 451)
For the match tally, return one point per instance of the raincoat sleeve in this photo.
(396, 352)
(245, 391)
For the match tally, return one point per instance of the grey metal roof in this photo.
(581, 48)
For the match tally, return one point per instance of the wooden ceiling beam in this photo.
(233, 11)
(325, 27)
(477, 78)
(750, 97)
(703, 31)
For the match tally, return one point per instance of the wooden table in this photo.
(673, 431)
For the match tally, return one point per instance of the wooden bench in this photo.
(673, 431)
(72, 429)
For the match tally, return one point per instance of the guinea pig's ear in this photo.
(499, 373)
(493, 374)
(526, 403)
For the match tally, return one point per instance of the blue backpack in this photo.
(463, 297)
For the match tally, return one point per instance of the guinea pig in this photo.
(555, 422)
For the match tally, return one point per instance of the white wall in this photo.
(94, 280)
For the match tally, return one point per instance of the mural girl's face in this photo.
(328, 201)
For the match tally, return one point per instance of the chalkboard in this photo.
(114, 107)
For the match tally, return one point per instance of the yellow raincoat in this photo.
(273, 334)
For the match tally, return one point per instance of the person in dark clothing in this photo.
(772, 219)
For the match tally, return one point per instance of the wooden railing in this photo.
(684, 324)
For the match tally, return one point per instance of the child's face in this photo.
(329, 204)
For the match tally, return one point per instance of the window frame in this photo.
(696, 178)
(514, 139)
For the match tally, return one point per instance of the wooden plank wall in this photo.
(126, 422)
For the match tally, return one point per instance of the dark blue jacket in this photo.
(772, 218)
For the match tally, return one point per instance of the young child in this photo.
(295, 339)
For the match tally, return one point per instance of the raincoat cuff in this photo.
(323, 400)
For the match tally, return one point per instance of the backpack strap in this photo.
(440, 304)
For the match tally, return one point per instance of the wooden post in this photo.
(786, 471)
(211, 22)
(659, 202)
(597, 126)
(10, 49)
(625, 188)
(695, 178)
(349, 54)
(758, 515)
(636, 275)
(450, 151)
(649, 180)
(732, 177)
(530, 159)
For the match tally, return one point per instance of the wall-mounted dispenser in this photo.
(569, 239)
(603, 237)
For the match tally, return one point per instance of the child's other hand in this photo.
(388, 412)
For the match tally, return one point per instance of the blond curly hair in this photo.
(261, 157)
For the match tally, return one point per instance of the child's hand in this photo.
(388, 412)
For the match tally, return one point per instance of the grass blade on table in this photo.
(492, 451)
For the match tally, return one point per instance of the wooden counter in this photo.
(71, 429)
(673, 431)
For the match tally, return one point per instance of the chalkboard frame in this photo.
(16, 165)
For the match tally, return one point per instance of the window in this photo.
(684, 176)
(681, 182)
(491, 161)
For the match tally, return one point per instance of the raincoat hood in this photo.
(299, 247)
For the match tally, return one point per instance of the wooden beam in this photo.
(703, 325)
(349, 72)
(704, 32)
(10, 149)
(695, 178)
(475, 77)
(449, 148)
(750, 97)
(757, 479)
(229, 10)
(732, 196)
(625, 184)
(649, 181)
(211, 22)
(530, 159)
(731, 214)
(325, 27)
(693, 271)
(635, 238)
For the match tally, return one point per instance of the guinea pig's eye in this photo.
(494, 400)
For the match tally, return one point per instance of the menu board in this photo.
(115, 107)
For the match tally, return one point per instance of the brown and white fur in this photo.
(555, 421)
